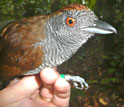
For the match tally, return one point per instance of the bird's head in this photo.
(75, 23)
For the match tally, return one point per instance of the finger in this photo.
(48, 77)
(62, 93)
(30, 84)
(23, 88)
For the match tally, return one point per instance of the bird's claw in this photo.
(78, 82)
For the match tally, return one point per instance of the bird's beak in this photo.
(100, 27)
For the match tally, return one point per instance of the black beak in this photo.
(100, 27)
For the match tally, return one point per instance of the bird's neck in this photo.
(55, 51)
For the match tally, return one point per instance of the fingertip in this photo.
(62, 93)
(62, 86)
(48, 76)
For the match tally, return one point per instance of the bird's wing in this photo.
(17, 50)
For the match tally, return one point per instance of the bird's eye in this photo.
(70, 21)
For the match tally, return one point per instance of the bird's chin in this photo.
(85, 38)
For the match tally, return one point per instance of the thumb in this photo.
(21, 89)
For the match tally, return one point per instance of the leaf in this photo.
(108, 80)
(111, 70)
(102, 101)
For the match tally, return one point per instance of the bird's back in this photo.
(18, 53)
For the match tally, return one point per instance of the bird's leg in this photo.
(77, 81)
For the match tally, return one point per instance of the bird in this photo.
(30, 44)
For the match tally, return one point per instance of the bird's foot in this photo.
(77, 81)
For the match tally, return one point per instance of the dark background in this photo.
(100, 61)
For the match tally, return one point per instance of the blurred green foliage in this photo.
(15, 9)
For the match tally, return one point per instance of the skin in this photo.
(30, 91)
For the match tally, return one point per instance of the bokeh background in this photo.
(100, 61)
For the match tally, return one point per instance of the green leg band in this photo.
(62, 76)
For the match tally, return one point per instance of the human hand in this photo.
(44, 90)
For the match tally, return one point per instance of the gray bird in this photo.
(30, 44)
